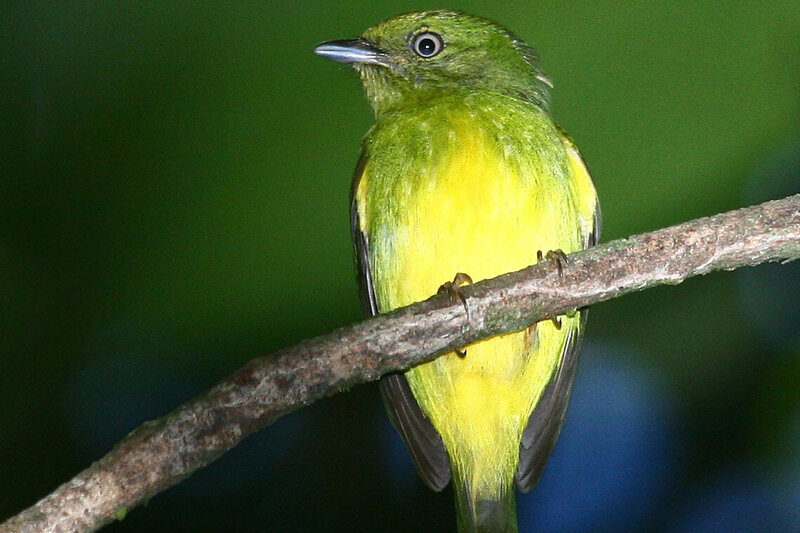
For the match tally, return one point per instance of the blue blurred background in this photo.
(174, 202)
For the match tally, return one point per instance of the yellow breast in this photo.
(483, 212)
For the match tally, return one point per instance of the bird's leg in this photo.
(560, 259)
(452, 290)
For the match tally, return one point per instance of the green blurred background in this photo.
(174, 202)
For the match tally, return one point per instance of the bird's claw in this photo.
(451, 288)
(560, 259)
(555, 256)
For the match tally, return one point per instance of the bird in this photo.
(464, 175)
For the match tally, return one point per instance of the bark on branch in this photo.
(161, 452)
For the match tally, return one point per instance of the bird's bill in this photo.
(352, 51)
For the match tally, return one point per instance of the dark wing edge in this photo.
(424, 443)
(597, 222)
(366, 290)
(544, 425)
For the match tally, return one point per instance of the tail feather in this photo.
(485, 515)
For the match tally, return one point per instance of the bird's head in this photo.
(418, 55)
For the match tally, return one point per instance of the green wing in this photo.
(422, 439)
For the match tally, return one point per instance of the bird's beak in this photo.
(353, 52)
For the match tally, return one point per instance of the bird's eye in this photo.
(427, 44)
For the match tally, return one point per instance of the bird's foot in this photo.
(560, 259)
(554, 256)
(451, 288)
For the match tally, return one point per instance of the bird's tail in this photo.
(479, 515)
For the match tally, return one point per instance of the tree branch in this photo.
(161, 452)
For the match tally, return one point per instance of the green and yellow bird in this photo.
(464, 171)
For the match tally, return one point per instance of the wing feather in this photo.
(544, 424)
(422, 439)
